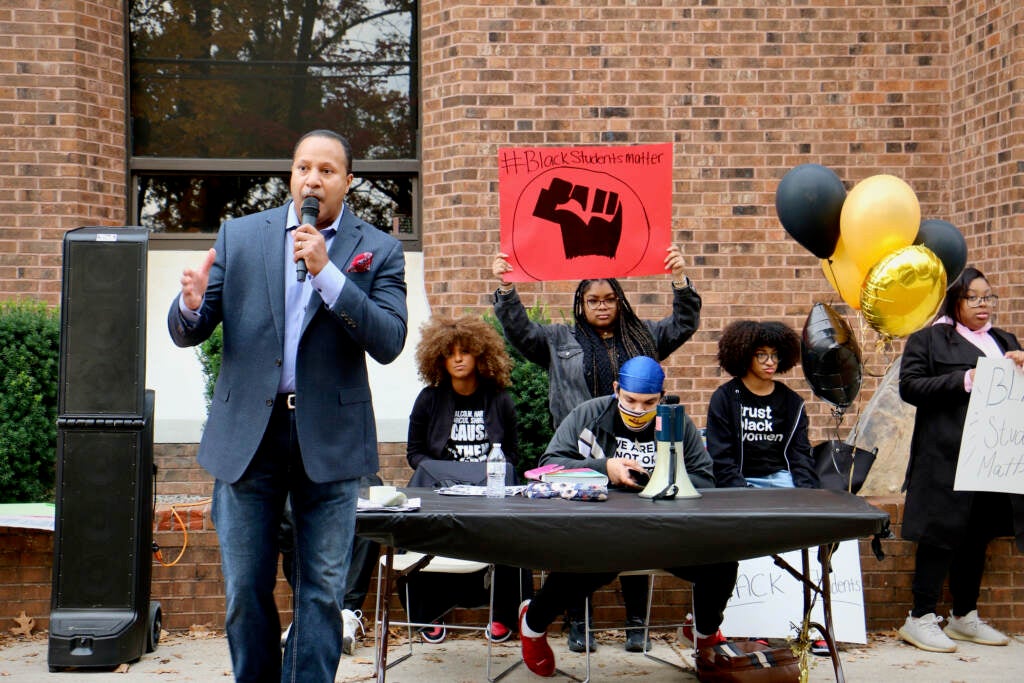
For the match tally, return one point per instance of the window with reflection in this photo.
(222, 89)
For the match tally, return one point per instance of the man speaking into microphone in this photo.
(291, 411)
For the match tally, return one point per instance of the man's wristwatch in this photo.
(686, 283)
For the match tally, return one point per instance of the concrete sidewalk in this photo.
(204, 657)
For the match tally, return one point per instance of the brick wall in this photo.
(62, 135)
(192, 591)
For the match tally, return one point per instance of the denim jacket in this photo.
(554, 346)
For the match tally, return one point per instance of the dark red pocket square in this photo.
(361, 263)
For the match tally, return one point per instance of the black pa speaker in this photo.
(103, 322)
(100, 612)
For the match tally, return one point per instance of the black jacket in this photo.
(725, 437)
(932, 371)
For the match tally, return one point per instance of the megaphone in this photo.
(669, 479)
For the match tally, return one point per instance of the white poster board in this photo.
(768, 601)
(992, 447)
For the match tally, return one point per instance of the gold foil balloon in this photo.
(880, 215)
(844, 275)
(903, 291)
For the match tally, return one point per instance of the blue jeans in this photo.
(247, 515)
(783, 479)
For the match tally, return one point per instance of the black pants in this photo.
(713, 585)
(361, 564)
(634, 597)
(964, 563)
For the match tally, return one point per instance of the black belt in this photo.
(286, 400)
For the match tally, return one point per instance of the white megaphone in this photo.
(669, 479)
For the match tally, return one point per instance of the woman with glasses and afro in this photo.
(583, 359)
(757, 426)
(952, 528)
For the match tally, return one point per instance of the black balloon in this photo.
(948, 243)
(809, 201)
(830, 356)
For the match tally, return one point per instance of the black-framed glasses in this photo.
(764, 357)
(976, 301)
(594, 304)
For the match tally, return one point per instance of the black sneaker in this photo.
(635, 636)
(576, 632)
(434, 634)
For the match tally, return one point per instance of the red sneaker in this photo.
(686, 630)
(497, 632)
(536, 652)
(711, 640)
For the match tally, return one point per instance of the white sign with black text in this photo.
(992, 446)
(768, 601)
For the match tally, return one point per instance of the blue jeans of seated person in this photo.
(783, 479)
(247, 515)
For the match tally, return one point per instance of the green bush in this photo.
(530, 391)
(209, 353)
(29, 365)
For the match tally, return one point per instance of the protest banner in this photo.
(569, 213)
(768, 601)
(992, 446)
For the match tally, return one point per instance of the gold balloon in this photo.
(844, 275)
(903, 291)
(880, 215)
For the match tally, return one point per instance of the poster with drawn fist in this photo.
(569, 213)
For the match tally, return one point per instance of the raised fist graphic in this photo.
(589, 228)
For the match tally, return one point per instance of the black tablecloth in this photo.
(625, 532)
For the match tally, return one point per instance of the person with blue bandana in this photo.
(615, 435)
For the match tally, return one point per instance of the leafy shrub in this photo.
(29, 367)
(530, 391)
(209, 353)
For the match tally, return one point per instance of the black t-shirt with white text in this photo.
(640, 446)
(468, 441)
(763, 422)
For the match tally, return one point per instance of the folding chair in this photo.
(403, 565)
(647, 627)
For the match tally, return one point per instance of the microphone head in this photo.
(310, 210)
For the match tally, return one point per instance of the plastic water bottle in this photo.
(496, 472)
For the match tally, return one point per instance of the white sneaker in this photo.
(924, 633)
(351, 621)
(973, 629)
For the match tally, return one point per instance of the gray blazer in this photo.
(334, 414)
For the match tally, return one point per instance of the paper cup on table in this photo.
(386, 496)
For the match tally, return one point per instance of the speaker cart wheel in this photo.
(155, 624)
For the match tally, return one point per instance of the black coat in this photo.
(932, 371)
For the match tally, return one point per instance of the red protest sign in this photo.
(569, 213)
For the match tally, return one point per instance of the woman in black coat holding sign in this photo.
(952, 528)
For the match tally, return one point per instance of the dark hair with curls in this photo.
(958, 290)
(473, 335)
(742, 338)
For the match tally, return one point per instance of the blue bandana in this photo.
(641, 375)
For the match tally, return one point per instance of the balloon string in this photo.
(834, 278)
(883, 345)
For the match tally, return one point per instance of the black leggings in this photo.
(964, 563)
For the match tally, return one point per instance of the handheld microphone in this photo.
(310, 211)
